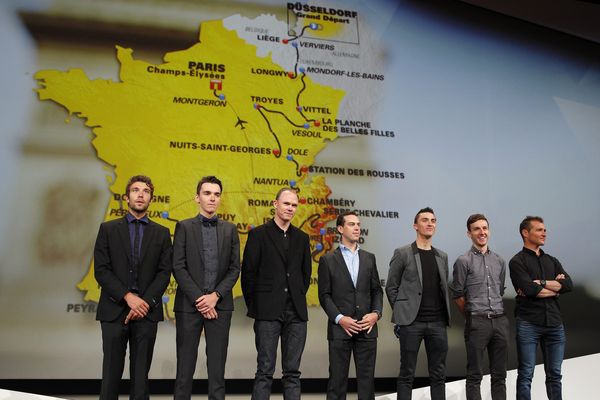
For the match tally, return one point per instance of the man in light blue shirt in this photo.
(351, 295)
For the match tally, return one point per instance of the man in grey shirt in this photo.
(478, 287)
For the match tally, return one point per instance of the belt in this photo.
(488, 315)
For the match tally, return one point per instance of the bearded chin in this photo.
(138, 209)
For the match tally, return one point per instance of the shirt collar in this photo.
(274, 224)
(130, 218)
(344, 248)
(212, 221)
(477, 251)
(532, 253)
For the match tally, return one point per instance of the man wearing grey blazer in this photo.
(417, 289)
(350, 293)
(206, 265)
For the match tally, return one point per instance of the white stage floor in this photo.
(579, 374)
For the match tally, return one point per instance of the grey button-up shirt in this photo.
(210, 257)
(479, 278)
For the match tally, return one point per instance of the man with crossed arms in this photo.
(538, 279)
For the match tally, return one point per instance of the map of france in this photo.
(215, 108)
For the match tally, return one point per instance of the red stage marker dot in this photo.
(304, 168)
(284, 41)
(319, 224)
(276, 152)
(317, 123)
(302, 200)
(291, 75)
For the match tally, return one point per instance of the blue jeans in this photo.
(292, 332)
(552, 341)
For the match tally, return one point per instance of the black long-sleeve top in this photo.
(525, 267)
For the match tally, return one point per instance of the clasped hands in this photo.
(352, 326)
(206, 305)
(138, 308)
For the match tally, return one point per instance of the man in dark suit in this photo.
(206, 265)
(417, 289)
(350, 293)
(132, 264)
(275, 277)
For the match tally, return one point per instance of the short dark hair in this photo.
(526, 224)
(285, 189)
(341, 217)
(474, 218)
(139, 178)
(423, 210)
(208, 179)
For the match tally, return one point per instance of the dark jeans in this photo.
(292, 332)
(141, 335)
(436, 346)
(552, 341)
(483, 333)
(216, 333)
(365, 352)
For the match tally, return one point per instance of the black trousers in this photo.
(141, 335)
(292, 331)
(216, 331)
(436, 345)
(481, 334)
(365, 352)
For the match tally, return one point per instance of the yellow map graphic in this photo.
(207, 110)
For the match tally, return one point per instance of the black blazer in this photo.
(267, 274)
(338, 295)
(188, 264)
(112, 260)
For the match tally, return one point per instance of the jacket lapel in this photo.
(362, 266)
(123, 229)
(337, 254)
(440, 265)
(147, 239)
(220, 241)
(417, 262)
(197, 239)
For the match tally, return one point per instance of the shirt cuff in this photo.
(337, 319)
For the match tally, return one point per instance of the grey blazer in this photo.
(188, 267)
(405, 282)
